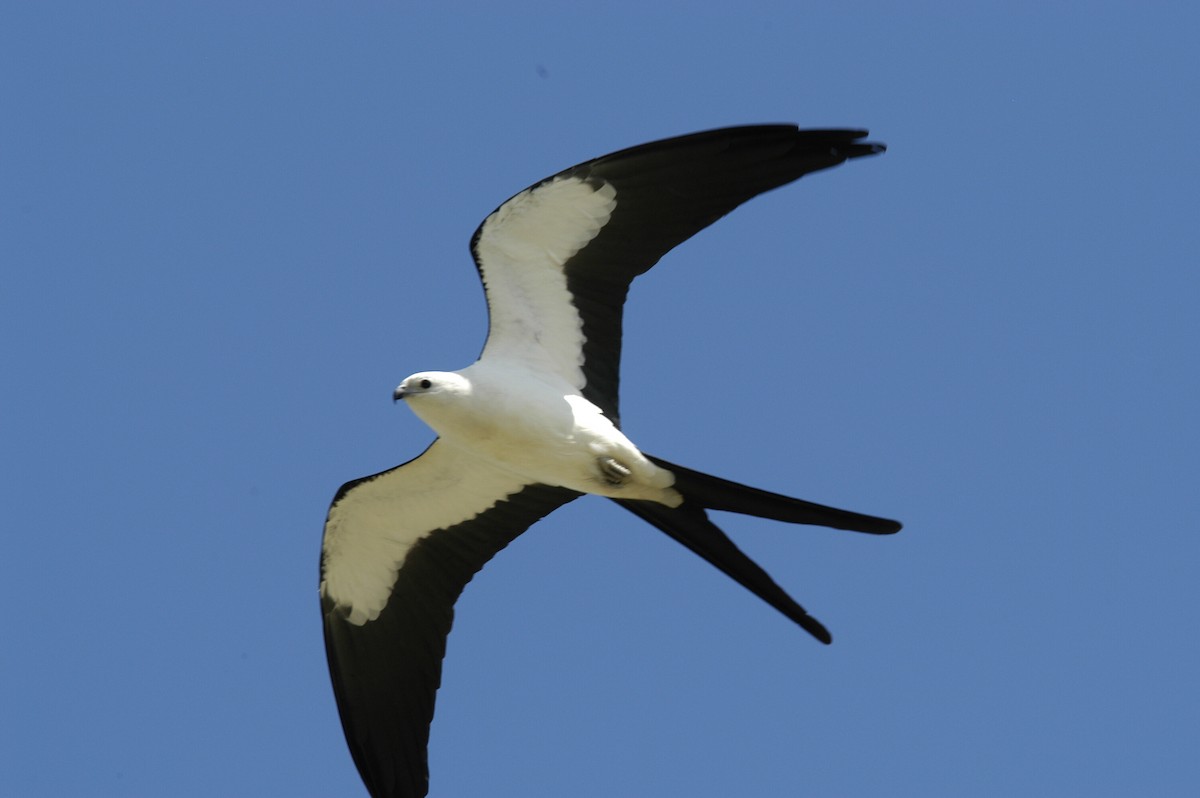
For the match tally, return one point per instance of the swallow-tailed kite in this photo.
(533, 424)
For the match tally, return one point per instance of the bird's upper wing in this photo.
(556, 260)
(399, 547)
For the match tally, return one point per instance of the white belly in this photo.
(548, 434)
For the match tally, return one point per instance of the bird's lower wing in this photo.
(399, 549)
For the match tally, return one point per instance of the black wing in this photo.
(386, 621)
(665, 192)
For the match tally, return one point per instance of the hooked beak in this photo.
(398, 394)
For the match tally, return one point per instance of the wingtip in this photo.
(846, 142)
(862, 149)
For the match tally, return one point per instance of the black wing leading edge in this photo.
(386, 672)
(667, 191)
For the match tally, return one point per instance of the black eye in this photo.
(426, 384)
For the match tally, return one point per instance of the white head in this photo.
(426, 385)
(439, 398)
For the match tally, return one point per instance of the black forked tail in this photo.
(689, 524)
(715, 493)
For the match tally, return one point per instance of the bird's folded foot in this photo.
(614, 473)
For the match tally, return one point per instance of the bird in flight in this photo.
(534, 424)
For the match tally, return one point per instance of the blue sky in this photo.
(228, 231)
